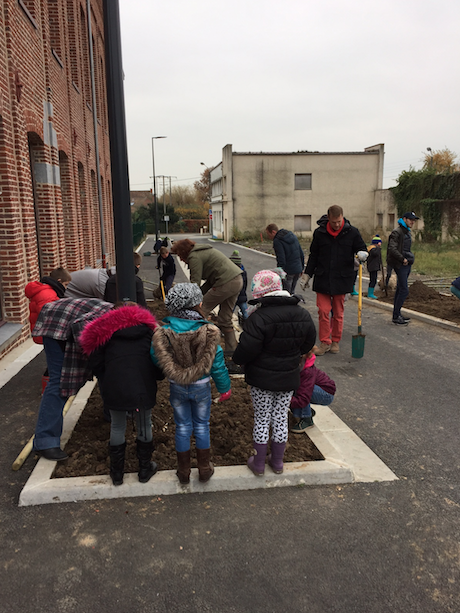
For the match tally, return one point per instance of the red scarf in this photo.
(332, 232)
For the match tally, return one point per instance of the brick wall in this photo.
(49, 205)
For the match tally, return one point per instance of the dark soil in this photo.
(231, 436)
(427, 300)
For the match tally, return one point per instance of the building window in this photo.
(28, 6)
(380, 220)
(55, 30)
(303, 181)
(302, 223)
(391, 220)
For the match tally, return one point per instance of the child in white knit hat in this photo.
(275, 336)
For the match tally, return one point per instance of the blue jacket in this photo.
(166, 354)
(289, 254)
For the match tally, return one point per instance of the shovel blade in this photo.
(357, 345)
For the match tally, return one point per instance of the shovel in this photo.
(357, 342)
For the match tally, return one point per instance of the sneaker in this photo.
(322, 349)
(405, 318)
(334, 347)
(304, 424)
(400, 321)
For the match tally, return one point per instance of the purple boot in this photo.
(257, 462)
(275, 459)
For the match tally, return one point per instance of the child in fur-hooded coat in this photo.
(188, 351)
(118, 346)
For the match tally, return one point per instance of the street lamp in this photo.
(157, 221)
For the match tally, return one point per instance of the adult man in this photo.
(60, 323)
(401, 258)
(289, 255)
(223, 283)
(331, 262)
(87, 283)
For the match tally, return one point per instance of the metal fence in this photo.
(138, 232)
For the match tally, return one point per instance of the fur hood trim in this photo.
(186, 357)
(100, 331)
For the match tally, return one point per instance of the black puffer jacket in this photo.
(289, 254)
(118, 345)
(274, 338)
(331, 260)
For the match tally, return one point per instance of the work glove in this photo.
(362, 256)
(225, 396)
(304, 281)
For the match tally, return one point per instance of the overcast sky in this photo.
(287, 75)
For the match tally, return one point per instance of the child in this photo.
(167, 268)
(374, 264)
(48, 289)
(275, 335)
(118, 344)
(187, 349)
(455, 287)
(110, 294)
(315, 386)
(242, 300)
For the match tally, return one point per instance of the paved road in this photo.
(358, 548)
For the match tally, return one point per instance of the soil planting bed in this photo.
(427, 300)
(231, 436)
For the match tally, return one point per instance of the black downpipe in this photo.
(126, 284)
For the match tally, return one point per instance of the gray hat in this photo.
(183, 296)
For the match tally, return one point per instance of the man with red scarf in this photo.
(332, 252)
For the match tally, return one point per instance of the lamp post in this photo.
(209, 199)
(157, 221)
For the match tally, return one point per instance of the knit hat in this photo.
(376, 239)
(236, 258)
(264, 282)
(183, 296)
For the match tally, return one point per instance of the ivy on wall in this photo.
(423, 191)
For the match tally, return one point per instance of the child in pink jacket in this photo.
(316, 387)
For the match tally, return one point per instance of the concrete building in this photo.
(293, 190)
(49, 196)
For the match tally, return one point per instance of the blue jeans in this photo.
(118, 426)
(192, 411)
(49, 423)
(319, 396)
(402, 289)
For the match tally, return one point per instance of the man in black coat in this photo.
(289, 255)
(332, 252)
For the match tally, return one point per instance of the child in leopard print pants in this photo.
(275, 336)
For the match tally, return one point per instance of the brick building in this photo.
(50, 197)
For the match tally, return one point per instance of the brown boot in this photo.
(334, 347)
(323, 348)
(183, 467)
(205, 467)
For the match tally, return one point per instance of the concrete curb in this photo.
(348, 460)
(415, 315)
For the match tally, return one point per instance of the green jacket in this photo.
(209, 264)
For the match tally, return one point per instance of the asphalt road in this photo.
(357, 548)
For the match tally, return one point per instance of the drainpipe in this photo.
(96, 139)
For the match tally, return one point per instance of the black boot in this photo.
(117, 462)
(147, 468)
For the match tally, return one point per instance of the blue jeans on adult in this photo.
(402, 289)
(319, 396)
(289, 282)
(192, 411)
(49, 423)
